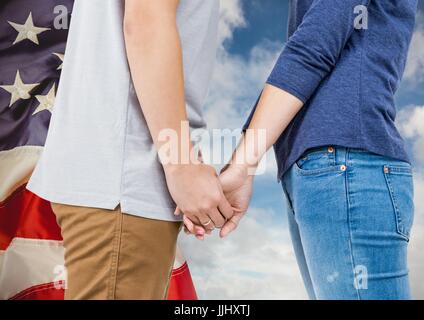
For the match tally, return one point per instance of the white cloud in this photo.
(231, 18)
(237, 82)
(411, 125)
(414, 72)
(416, 256)
(255, 262)
(410, 122)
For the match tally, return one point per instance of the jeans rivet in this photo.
(386, 169)
(330, 149)
(343, 168)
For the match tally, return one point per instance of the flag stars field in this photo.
(27, 30)
(46, 101)
(19, 90)
(61, 57)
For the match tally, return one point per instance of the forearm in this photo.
(275, 110)
(155, 58)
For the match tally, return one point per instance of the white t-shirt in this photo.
(99, 152)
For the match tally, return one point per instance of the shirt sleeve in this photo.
(314, 49)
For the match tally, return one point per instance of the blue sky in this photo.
(257, 261)
(258, 15)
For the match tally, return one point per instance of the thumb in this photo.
(231, 179)
(230, 226)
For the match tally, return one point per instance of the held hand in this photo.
(237, 185)
(197, 192)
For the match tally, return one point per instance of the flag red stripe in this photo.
(181, 286)
(25, 215)
(47, 291)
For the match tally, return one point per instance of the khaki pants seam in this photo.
(115, 256)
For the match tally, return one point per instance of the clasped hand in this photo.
(208, 201)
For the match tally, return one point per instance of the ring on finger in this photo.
(207, 223)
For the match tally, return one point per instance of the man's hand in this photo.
(237, 186)
(198, 194)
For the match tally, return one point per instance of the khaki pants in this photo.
(111, 255)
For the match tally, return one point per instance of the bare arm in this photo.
(155, 58)
(275, 110)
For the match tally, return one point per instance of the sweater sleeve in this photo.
(314, 49)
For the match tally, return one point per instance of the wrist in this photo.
(246, 168)
(245, 160)
(172, 169)
(174, 160)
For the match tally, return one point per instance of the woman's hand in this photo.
(237, 185)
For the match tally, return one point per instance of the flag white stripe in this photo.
(30, 262)
(16, 168)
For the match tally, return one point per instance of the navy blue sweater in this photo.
(346, 68)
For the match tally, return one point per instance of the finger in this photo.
(198, 229)
(206, 222)
(230, 226)
(177, 211)
(188, 224)
(225, 208)
(217, 218)
(199, 232)
(186, 231)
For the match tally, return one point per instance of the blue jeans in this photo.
(350, 216)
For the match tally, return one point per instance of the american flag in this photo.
(32, 48)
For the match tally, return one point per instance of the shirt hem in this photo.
(286, 87)
(135, 208)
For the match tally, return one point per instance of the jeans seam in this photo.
(286, 194)
(115, 256)
(348, 204)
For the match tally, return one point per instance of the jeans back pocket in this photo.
(400, 184)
